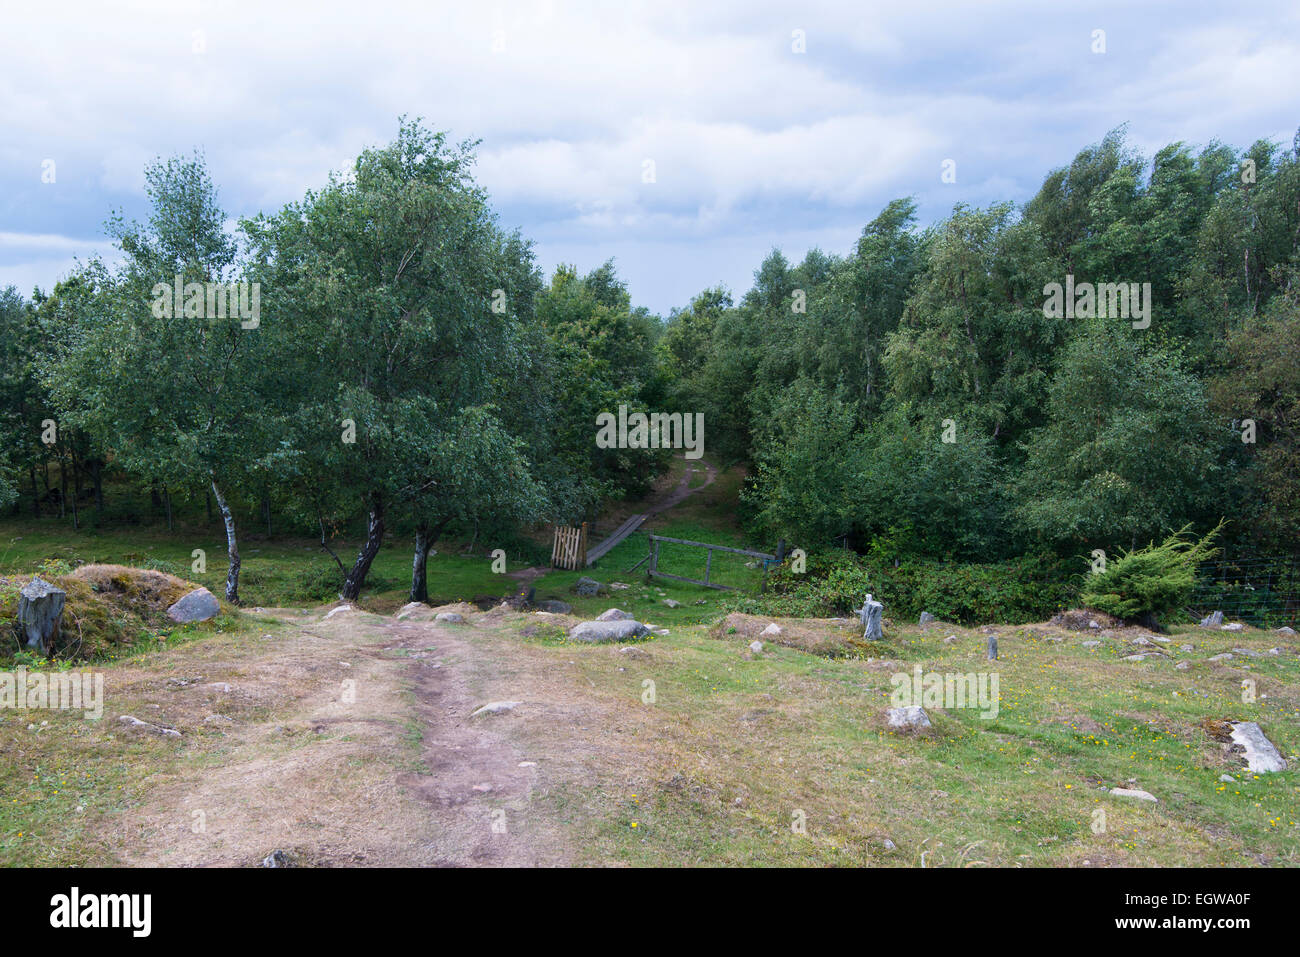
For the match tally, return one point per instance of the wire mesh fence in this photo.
(1261, 591)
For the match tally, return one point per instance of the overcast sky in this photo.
(754, 145)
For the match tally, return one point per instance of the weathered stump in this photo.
(40, 615)
(870, 615)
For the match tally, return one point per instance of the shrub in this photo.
(1030, 588)
(1152, 581)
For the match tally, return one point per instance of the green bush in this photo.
(1031, 588)
(1152, 581)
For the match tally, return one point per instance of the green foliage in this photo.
(1032, 588)
(1150, 582)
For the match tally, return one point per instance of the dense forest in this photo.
(396, 365)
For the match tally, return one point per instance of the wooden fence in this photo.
(653, 557)
(570, 547)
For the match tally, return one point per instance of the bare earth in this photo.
(390, 770)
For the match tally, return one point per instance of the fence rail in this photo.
(654, 571)
(1261, 591)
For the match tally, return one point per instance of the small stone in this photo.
(1093, 624)
(1186, 648)
(756, 647)
(1135, 657)
(1226, 656)
(951, 640)
(1141, 640)
(277, 859)
(1227, 779)
(1133, 793)
(450, 618)
(1183, 665)
(672, 603)
(528, 764)
(483, 788)
(1234, 626)
(889, 845)
(613, 614)
(772, 629)
(336, 611)
(496, 707)
(146, 726)
(912, 716)
(1091, 644)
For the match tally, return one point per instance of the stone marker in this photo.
(926, 618)
(599, 632)
(1261, 756)
(1212, 620)
(870, 615)
(198, 605)
(993, 647)
(40, 615)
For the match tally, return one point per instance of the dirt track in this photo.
(389, 770)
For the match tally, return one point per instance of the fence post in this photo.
(708, 564)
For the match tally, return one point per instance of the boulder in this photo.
(200, 605)
(912, 716)
(1261, 755)
(450, 618)
(40, 615)
(600, 632)
(613, 614)
(756, 647)
(1286, 630)
(1213, 620)
(587, 587)
(926, 618)
(772, 629)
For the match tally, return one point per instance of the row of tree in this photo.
(916, 396)
(397, 361)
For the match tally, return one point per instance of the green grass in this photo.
(747, 744)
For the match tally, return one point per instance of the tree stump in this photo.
(40, 615)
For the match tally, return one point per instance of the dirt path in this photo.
(683, 489)
(349, 741)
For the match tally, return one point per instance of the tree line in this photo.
(395, 359)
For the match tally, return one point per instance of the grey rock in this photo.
(951, 640)
(588, 587)
(912, 716)
(1183, 665)
(1135, 657)
(1226, 656)
(1261, 755)
(1286, 630)
(1186, 648)
(1141, 640)
(277, 858)
(555, 607)
(40, 615)
(450, 618)
(1246, 652)
(496, 707)
(1091, 644)
(1213, 620)
(198, 605)
(1136, 793)
(672, 603)
(1233, 626)
(1227, 779)
(599, 632)
(613, 614)
(756, 647)
(772, 629)
(926, 618)
(146, 726)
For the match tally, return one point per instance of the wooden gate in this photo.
(570, 547)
